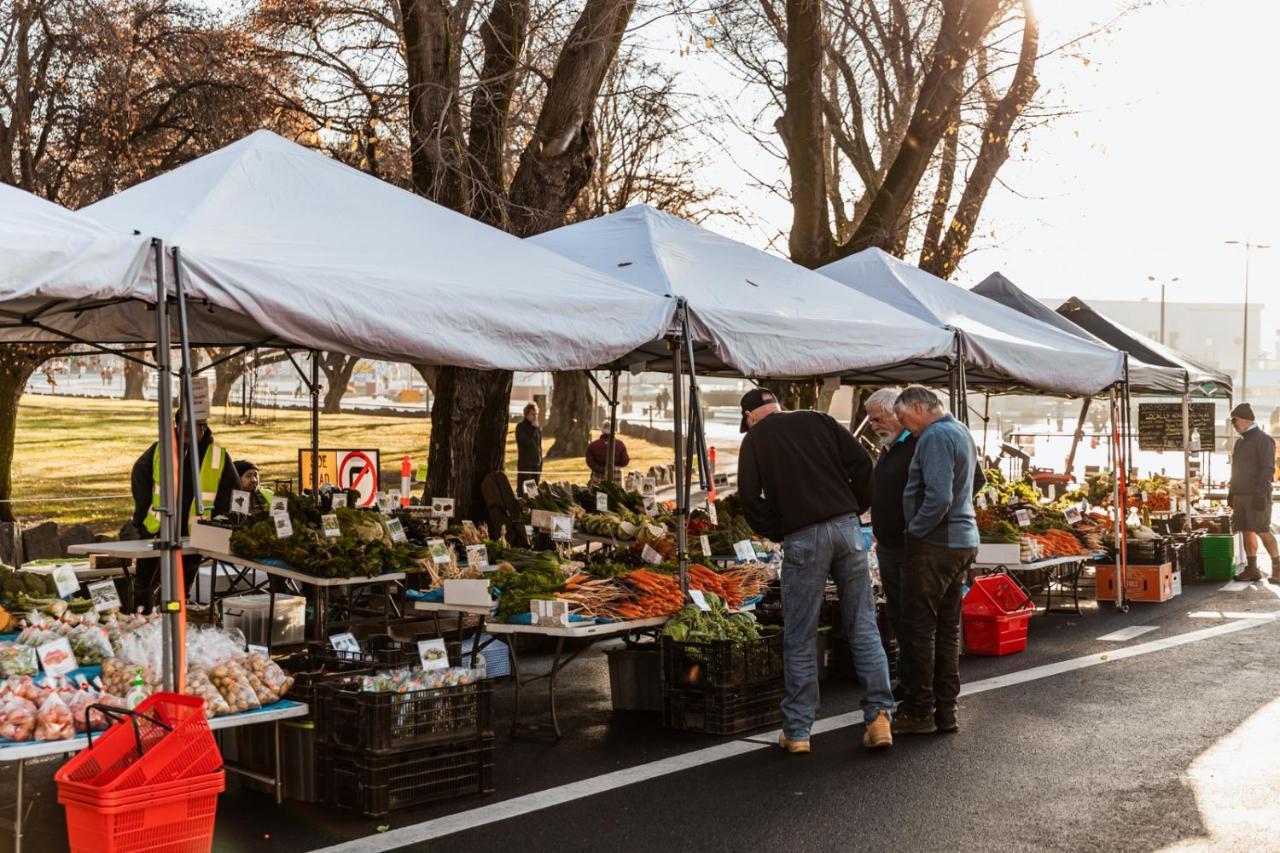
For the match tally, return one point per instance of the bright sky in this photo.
(1169, 152)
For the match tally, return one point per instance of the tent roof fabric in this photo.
(54, 264)
(1144, 348)
(1143, 376)
(1005, 350)
(306, 251)
(752, 313)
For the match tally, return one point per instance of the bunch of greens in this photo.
(695, 625)
(362, 550)
(515, 589)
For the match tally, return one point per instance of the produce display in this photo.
(1048, 533)
(408, 680)
(364, 548)
(695, 625)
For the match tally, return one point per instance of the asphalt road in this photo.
(1169, 743)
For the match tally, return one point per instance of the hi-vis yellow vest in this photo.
(210, 476)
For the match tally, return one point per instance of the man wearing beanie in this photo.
(1253, 463)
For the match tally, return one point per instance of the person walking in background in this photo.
(598, 457)
(528, 448)
(941, 542)
(803, 480)
(1253, 461)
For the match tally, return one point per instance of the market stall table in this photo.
(21, 753)
(131, 551)
(320, 587)
(590, 632)
(1062, 572)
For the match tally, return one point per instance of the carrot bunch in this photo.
(1057, 543)
(726, 586)
(653, 594)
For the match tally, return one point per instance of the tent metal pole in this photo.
(677, 416)
(1118, 487)
(1079, 434)
(1186, 446)
(315, 426)
(187, 401)
(696, 443)
(168, 540)
(610, 463)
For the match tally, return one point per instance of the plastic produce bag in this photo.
(208, 647)
(118, 675)
(273, 679)
(18, 660)
(17, 719)
(91, 645)
(54, 721)
(23, 687)
(79, 704)
(143, 646)
(233, 683)
(198, 684)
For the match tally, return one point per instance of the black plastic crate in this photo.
(723, 711)
(310, 671)
(376, 784)
(380, 652)
(383, 721)
(721, 663)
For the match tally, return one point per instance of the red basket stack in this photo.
(148, 784)
(996, 612)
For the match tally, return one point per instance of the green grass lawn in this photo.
(79, 448)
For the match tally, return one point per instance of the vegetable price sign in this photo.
(344, 469)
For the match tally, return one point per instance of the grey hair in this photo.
(914, 395)
(883, 399)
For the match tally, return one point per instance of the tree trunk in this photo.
(435, 153)
(993, 153)
(558, 161)
(503, 35)
(794, 395)
(964, 23)
(942, 194)
(569, 421)
(15, 369)
(135, 377)
(801, 130)
(225, 374)
(469, 420)
(337, 369)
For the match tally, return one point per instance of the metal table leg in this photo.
(559, 662)
(18, 815)
(279, 783)
(322, 612)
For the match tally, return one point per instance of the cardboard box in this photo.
(999, 553)
(210, 537)
(1142, 583)
(467, 591)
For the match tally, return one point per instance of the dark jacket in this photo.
(800, 468)
(598, 456)
(938, 500)
(1253, 464)
(888, 519)
(528, 447)
(141, 482)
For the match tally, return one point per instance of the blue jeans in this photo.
(833, 547)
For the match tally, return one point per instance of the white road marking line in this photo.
(1272, 588)
(1235, 615)
(516, 806)
(1206, 614)
(1235, 586)
(1124, 635)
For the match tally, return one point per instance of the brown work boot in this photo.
(1249, 575)
(795, 747)
(879, 732)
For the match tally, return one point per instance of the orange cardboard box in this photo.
(1142, 583)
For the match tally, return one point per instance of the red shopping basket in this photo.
(166, 738)
(178, 822)
(996, 612)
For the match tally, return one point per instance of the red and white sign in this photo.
(358, 469)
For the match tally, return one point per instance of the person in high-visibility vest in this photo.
(251, 482)
(218, 478)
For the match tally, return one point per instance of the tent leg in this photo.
(1186, 454)
(609, 472)
(677, 418)
(315, 426)
(167, 540)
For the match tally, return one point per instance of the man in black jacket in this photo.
(804, 480)
(528, 448)
(1253, 463)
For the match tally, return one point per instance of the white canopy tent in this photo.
(1003, 349)
(750, 313)
(310, 252)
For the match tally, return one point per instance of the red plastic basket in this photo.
(166, 739)
(180, 823)
(146, 794)
(996, 612)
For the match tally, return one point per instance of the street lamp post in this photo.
(1244, 337)
(1173, 280)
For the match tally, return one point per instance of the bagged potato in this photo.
(233, 683)
(198, 684)
(53, 722)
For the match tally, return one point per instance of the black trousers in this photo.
(932, 585)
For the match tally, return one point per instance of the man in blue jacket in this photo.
(941, 542)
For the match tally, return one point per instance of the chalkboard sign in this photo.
(1160, 425)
